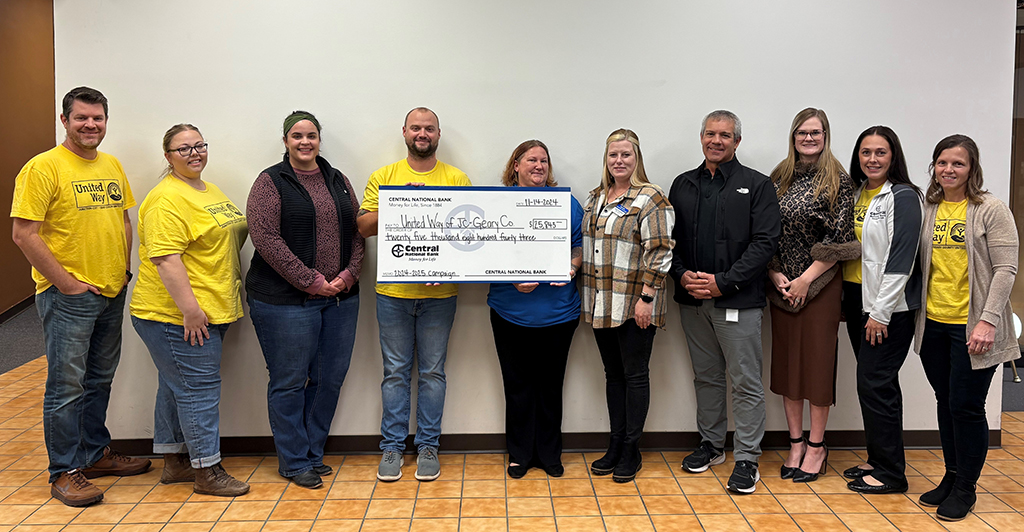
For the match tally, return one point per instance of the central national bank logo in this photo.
(97, 194)
(405, 250)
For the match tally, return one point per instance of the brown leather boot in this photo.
(177, 468)
(73, 489)
(215, 481)
(116, 464)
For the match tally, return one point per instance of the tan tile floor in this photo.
(474, 494)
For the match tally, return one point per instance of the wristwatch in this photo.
(128, 274)
(646, 298)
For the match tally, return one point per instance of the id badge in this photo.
(732, 315)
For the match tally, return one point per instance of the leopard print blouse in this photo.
(807, 221)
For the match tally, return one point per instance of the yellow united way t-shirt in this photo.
(207, 230)
(399, 174)
(948, 292)
(81, 205)
(852, 268)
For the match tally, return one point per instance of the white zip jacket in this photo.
(891, 279)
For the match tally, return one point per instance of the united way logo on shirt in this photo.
(225, 213)
(858, 213)
(97, 194)
(949, 233)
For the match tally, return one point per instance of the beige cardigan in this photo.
(991, 268)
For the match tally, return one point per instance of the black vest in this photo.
(298, 229)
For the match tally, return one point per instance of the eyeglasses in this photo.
(185, 151)
(814, 133)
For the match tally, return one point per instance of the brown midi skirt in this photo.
(804, 347)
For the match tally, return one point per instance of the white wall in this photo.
(498, 73)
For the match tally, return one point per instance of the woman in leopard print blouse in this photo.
(816, 200)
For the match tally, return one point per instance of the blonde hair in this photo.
(827, 177)
(639, 176)
(169, 136)
(510, 177)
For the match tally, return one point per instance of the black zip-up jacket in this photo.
(746, 234)
(298, 229)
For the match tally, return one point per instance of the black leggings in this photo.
(626, 353)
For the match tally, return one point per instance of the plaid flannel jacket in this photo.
(623, 252)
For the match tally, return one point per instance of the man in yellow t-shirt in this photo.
(71, 221)
(414, 320)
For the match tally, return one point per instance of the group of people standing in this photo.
(818, 243)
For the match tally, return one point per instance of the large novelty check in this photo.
(473, 234)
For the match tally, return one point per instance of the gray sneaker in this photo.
(390, 468)
(428, 467)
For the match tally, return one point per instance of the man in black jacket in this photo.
(727, 229)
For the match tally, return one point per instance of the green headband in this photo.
(297, 117)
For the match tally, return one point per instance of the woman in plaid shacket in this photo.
(627, 252)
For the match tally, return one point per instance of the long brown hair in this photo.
(510, 178)
(639, 176)
(827, 178)
(975, 181)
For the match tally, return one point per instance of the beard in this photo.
(421, 153)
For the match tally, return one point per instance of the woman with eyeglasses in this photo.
(303, 294)
(966, 329)
(188, 293)
(816, 201)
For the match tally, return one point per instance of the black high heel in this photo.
(803, 476)
(787, 472)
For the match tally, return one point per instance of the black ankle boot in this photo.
(606, 464)
(935, 497)
(959, 503)
(629, 465)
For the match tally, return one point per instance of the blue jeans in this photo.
(413, 328)
(186, 418)
(83, 346)
(308, 349)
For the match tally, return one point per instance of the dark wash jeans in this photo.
(83, 347)
(960, 392)
(626, 353)
(308, 349)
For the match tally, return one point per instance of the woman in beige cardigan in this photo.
(966, 329)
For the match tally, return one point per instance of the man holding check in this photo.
(413, 319)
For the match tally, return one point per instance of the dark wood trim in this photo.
(16, 309)
(573, 442)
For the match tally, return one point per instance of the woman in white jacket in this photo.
(880, 300)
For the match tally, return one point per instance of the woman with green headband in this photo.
(303, 294)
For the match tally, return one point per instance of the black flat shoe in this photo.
(803, 476)
(517, 471)
(555, 470)
(856, 472)
(786, 471)
(323, 470)
(308, 480)
(863, 487)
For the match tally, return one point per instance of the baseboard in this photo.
(16, 309)
(572, 442)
